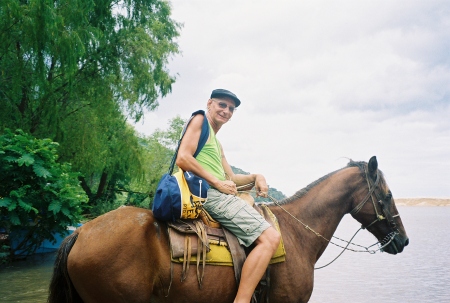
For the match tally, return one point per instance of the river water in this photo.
(27, 281)
(421, 273)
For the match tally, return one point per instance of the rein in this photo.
(379, 217)
(385, 242)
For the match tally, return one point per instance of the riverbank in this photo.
(422, 202)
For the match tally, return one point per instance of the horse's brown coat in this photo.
(123, 256)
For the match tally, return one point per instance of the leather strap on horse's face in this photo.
(385, 210)
(369, 194)
(386, 214)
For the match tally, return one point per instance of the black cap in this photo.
(225, 93)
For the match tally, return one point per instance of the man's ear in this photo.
(208, 104)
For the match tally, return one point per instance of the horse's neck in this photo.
(321, 209)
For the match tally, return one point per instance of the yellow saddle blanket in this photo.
(194, 239)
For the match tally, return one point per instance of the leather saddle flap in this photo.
(178, 231)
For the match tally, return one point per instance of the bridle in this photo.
(382, 202)
(385, 215)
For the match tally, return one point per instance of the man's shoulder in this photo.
(199, 112)
(197, 120)
(199, 123)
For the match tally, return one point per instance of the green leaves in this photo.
(37, 194)
(5, 201)
(55, 207)
(14, 218)
(26, 159)
(40, 171)
(57, 58)
(27, 207)
(75, 72)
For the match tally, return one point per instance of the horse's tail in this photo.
(61, 288)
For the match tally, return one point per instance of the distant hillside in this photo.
(273, 192)
(422, 202)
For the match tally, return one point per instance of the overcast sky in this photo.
(321, 82)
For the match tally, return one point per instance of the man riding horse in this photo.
(125, 254)
(223, 205)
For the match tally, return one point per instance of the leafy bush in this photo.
(38, 195)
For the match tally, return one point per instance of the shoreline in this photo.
(422, 202)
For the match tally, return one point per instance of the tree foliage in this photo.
(38, 195)
(162, 145)
(58, 57)
(155, 154)
(75, 71)
(158, 150)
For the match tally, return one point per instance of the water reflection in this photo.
(26, 281)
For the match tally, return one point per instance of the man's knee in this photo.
(270, 237)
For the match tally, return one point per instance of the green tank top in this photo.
(210, 156)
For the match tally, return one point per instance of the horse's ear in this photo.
(373, 166)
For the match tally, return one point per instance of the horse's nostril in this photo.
(406, 242)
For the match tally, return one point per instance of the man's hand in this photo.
(262, 190)
(227, 187)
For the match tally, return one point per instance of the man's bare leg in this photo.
(256, 264)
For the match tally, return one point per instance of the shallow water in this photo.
(419, 274)
(26, 281)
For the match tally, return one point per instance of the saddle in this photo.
(204, 242)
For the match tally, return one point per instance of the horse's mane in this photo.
(302, 192)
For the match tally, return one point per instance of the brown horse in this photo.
(123, 256)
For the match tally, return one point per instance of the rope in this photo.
(315, 268)
(388, 238)
(319, 235)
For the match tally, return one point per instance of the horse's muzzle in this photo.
(397, 245)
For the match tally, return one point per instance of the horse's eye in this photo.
(388, 196)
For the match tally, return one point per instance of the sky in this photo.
(321, 82)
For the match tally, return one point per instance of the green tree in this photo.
(158, 152)
(57, 57)
(121, 162)
(38, 195)
(138, 186)
(75, 71)
(162, 149)
(169, 138)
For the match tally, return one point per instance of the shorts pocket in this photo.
(245, 220)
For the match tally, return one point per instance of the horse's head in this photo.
(375, 209)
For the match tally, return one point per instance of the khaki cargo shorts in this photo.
(236, 215)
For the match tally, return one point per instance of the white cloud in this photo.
(320, 81)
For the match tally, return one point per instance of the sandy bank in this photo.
(422, 202)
